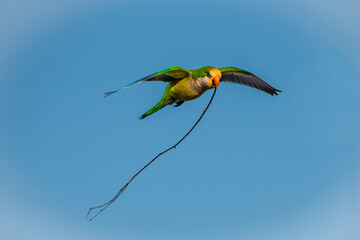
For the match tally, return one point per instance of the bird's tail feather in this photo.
(161, 104)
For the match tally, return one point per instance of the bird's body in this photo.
(187, 85)
(184, 89)
(190, 87)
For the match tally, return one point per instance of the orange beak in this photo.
(216, 81)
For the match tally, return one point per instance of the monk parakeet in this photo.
(185, 85)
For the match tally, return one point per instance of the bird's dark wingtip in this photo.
(274, 92)
(109, 93)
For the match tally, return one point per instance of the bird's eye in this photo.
(209, 75)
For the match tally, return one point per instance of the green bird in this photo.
(185, 85)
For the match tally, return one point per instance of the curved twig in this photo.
(107, 204)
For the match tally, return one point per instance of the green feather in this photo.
(201, 72)
(166, 75)
(161, 104)
(234, 69)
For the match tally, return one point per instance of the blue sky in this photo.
(256, 167)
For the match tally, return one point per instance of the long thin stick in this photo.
(107, 204)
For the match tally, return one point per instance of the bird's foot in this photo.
(178, 103)
(171, 101)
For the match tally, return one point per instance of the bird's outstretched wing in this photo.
(239, 76)
(167, 75)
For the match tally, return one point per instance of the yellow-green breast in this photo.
(184, 90)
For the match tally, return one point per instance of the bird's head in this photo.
(214, 76)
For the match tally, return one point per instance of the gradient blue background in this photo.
(256, 167)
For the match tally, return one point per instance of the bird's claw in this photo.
(178, 103)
